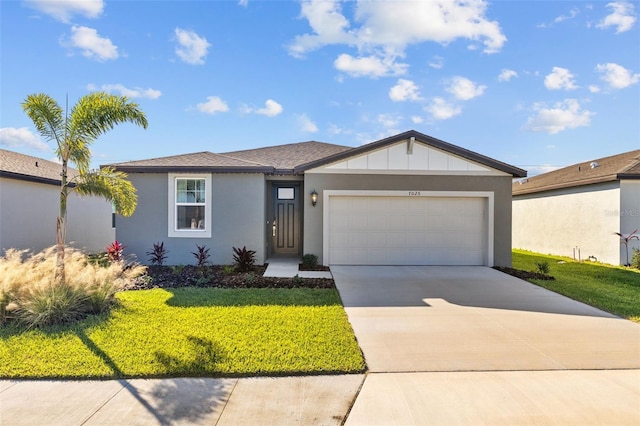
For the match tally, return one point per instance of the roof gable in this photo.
(607, 169)
(412, 152)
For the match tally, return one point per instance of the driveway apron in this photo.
(431, 318)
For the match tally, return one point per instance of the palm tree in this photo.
(74, 132)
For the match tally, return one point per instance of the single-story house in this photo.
(30, 204)
(409, 199)
(575, 211)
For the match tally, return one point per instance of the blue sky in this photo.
(537, 84)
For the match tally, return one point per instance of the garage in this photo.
(409, 228)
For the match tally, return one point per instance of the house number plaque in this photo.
(414, 193)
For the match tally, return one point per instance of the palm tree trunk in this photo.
(61, 227)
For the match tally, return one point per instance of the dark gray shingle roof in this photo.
(25, 167)
(607, 169)
(294, 158)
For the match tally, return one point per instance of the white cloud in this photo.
(271, 108)
(561, 116)
(375, 32)
(572, 14)
(594, 89)
(404, 90)
(440, 109)
(622, 17)
(415, 119)
(328, 24)
(306, 125)
(437, 62)
(136, 92)
(63, 10)
(560, 78)
(21, 137)
(369, 66)
(91, 44)
(213, 105)
(388, 120)
(464, 89)
(191, 48)
(244, 3)
(507, 74)
(617, 76)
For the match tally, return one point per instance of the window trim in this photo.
(172, 230)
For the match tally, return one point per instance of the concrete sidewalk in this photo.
(303, 400)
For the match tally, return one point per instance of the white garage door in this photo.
(380, 230)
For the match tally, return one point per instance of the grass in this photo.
(610, 288)
(183, 332)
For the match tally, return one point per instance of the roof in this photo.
(293, 158)
(25, 167)
(607, 169)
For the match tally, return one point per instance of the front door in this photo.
(285, 225)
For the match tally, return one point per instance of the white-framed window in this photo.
(190, 205)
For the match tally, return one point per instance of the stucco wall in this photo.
(238, 202)
(28, 213)
(501, 186)
(557, 222)
(629, 212)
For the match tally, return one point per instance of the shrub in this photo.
(202, 256)
(309, 260)
(115, 252)
(29, 294)
(542, 267)
(244, 259)
(228, 269)
(158, 254)
(635, 258)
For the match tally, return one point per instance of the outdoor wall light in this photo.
(314, 198)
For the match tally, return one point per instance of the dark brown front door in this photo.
(285, 226)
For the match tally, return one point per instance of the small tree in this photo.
(73, 133)
(625, 238)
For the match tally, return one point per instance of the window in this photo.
(189, 206)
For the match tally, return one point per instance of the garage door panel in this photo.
(407, 230)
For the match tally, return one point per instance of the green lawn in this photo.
(192, 332)
(610, 288)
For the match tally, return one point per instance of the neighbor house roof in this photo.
(294, 158)
(607, 169)
(25, 167)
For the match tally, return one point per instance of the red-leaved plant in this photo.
(115, 252)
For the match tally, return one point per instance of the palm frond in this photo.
(98, 112)
(111, 185)
(47, 116)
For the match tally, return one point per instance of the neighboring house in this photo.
(30, 203)
(575, 211)
(408, 199)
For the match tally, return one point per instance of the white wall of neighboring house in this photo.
(29, 211)
(580, 218)
(629, 213)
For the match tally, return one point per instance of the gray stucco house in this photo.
(574, 211)
(29, 206)
(409, 199)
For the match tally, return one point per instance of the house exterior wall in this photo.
(237, 209)
(580, 218)
(29, 211)
(499, 185)
(629, 213)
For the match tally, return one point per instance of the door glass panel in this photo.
(285, 193)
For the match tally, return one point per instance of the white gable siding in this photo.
(395, 159)
(558, 222)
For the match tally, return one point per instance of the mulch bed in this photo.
(524, 275)
(214, 276)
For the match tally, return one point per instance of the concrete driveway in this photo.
(430, 318)
(471, 345)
